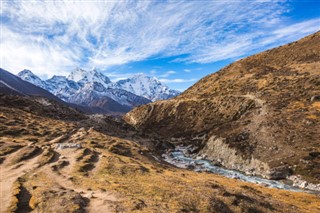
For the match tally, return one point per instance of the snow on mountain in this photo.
(148, 87)
(12, 84)
(82, 77)
(27, 75)
(93, 91)
(92, 88)
(62, 87)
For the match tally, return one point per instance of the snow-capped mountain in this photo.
(82, 77)
(148, 87)
(27, 75)
(92, 88)
(62, 87)
(11, 84)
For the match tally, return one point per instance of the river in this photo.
(178, 158)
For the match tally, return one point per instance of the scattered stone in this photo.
(299, 182)
(191, 167)
(139, 205)
(68, 145)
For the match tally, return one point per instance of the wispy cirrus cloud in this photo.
(167, 74)
(51, 37)
(177, 80)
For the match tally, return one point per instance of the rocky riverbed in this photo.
(180, 158)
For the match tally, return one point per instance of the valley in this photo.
(258, 115)
(116, 169)
(236, 141)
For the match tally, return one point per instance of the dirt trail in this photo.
(9, 174)
(99, 201)
(60, 168)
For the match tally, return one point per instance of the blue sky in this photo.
(178, 42)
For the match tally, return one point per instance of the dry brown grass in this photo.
(117, 167)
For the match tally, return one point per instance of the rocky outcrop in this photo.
(280, 172)
(260, 113)
(216, 149)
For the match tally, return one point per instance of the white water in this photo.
(179, 159)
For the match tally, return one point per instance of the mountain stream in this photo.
(178, 158)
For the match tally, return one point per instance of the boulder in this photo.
(280, 172)
(315, 98)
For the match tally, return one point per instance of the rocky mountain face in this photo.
(148, 87)
(259, 115)
(93, 89)
(13, 85)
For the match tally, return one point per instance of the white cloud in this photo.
(177, 80)
(53, 36)
(115, 76)
(167, 74)
(153, 72)
(187, 70)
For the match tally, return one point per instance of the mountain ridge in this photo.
(11, 82)
(92, 88)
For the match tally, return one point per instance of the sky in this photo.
(179, 42)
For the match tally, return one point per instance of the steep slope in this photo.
(96, 164)
(16, 85)
(148, 87)
(260, 115)
(13, 85)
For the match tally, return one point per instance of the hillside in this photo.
(11, 84)
(260, 115)
(73, 163)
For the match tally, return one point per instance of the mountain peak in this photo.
(78, 74)
(26, 72)
(83, 86)
(28, 75)
(147, 86)
(90, 76)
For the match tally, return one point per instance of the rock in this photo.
(216, 163)
(315, 98)
(303, 184)
(90, 196)
(139, 205)
(314, 154)
(199, 158)
(298, 182)
(264, 184)
(191, 167)
(280, 172)
(251, 172)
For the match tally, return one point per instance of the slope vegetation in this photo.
(260, 115)
(55, 163)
